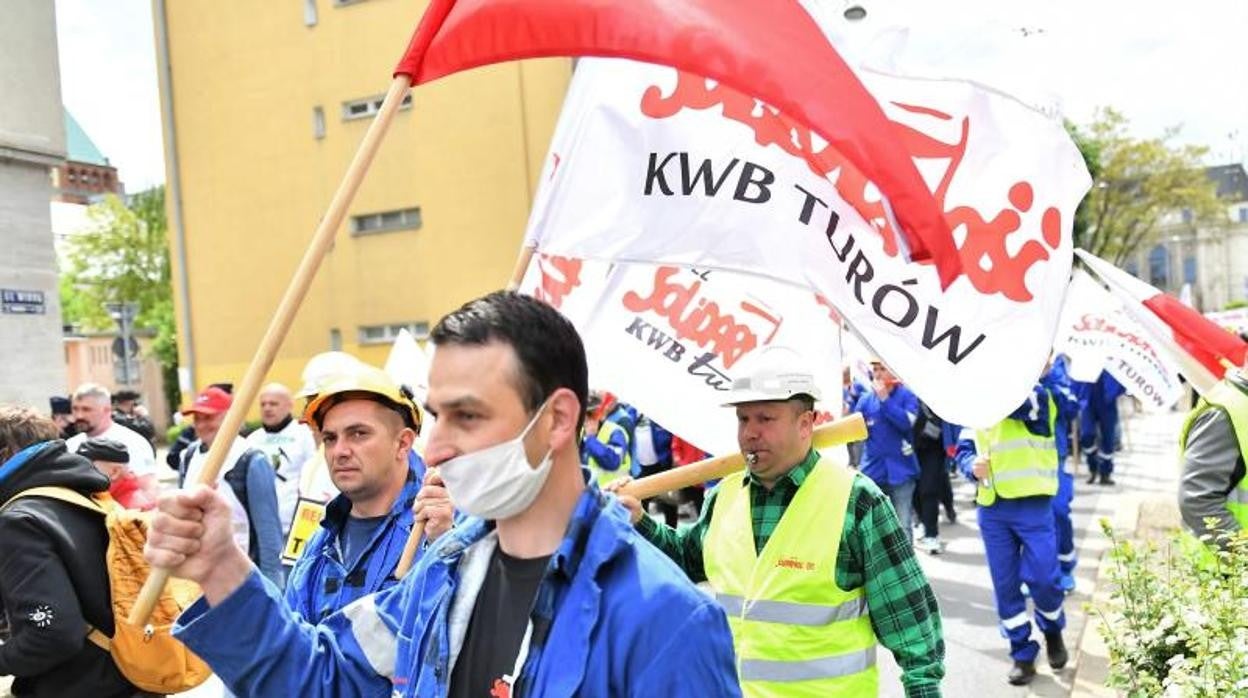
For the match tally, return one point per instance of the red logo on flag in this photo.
(984, 249)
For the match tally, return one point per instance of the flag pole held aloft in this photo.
(279, 326)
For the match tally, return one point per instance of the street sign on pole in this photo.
(125, 362)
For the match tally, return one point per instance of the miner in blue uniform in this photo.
(1098, 428)
(1015, 466)
(1057, 382)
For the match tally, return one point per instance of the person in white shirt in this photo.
(92, 407)
(288, 444)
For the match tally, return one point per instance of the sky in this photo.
(1162, 64)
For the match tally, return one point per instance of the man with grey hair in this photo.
(92, 407)
(288, 445)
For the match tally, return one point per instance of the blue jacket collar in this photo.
(579, 545)
(339, 508)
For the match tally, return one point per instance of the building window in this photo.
(1159, 267)
(1187, 215)
(386, 221)
(385, 334)
(1133, 267)
(1243, 214)
(365, 108)
(335, 339)
(318, 122)
(309, 13)
(341, 3)
(1189, 269)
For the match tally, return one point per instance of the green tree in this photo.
(1136, 184)
(125, 258)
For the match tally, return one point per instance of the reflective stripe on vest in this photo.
(795, 631)
(1235, 403)
(791, 613)
(1020, 444)
(1019, 474)
(838, 665)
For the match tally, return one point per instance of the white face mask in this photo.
(496, 482)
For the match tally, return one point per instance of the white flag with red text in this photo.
(651, 165)
(669, 340)
(1097, 334)
(1202, 350)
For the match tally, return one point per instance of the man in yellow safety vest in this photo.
(806, 556)
(1214, 444)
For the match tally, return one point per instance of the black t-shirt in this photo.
(497, 626)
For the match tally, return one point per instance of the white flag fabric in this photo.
(1097, 334)
(669, 340)
(651, 165)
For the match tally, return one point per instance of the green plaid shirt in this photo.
(874, 553)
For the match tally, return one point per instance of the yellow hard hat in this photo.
(370, 383)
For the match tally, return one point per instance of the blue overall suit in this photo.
(1021, 544)
(322, 582)
(1098, 429)
(1057, 382)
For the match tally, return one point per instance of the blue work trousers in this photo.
(1021, 545)
(1066, 557)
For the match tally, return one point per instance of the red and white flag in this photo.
(772, 50)
(668, 340)
(1098, 335)
(1201, 348)
(653, 165)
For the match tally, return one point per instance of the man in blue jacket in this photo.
(361, 537)
(1098, 429)
(890, 410)
(544, 590)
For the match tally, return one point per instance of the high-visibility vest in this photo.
(1020, 463)
(601, 474)
(1235, 402)
(796, 632)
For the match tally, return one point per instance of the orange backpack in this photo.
(148, 656)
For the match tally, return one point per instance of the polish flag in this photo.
(1203, 350)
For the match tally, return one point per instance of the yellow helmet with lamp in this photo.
(363, 382)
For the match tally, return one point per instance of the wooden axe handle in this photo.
(844, 430)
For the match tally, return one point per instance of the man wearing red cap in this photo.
(252, 488)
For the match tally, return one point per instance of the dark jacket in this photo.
(53, 579)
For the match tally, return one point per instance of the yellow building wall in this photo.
(255, 180)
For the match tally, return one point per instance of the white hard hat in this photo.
(325, 367)
(776, 373)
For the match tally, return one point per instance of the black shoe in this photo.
(1055, 647)
(1022, 673)
(1107, 480)
(1092, 479)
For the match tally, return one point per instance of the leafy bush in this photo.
(1177, 624)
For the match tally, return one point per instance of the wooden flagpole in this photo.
(279, 326)
(418, 530)
(844, 430)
